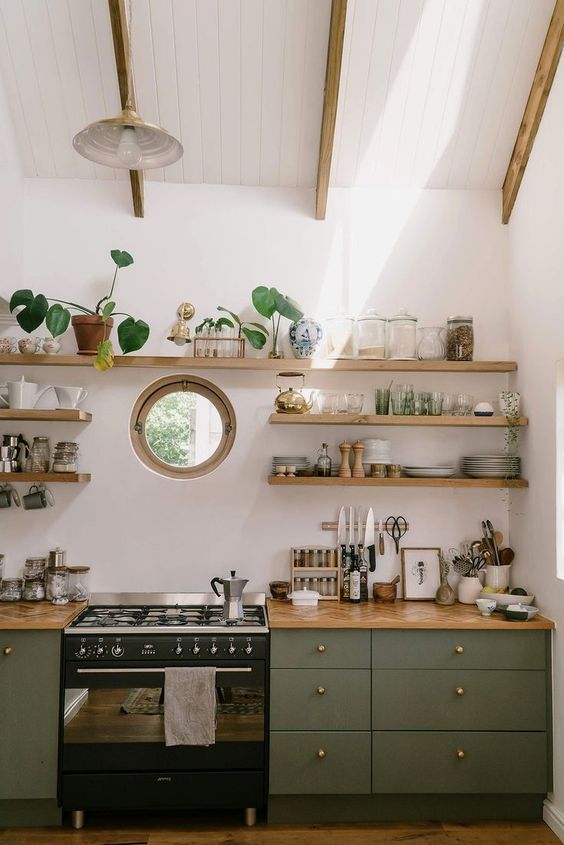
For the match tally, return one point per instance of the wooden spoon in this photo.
(498, 538)
(506, 556)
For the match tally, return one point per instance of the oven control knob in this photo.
(117, 650)
(196, 649)
(178, 649)
(231, 649)
(213, 649)
(248, 649)
(81, 651)
(100, 650)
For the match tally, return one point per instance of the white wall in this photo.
(537, 320)
(436, 252)
(11, 196)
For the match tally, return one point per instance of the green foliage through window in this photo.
(169, 428)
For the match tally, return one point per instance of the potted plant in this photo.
(256, 335)
(273, 305)
(92, 326)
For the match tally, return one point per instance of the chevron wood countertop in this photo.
(36, 615)
(400, 614)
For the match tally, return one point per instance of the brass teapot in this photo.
(292, 401)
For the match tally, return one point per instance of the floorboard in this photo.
(228, 830)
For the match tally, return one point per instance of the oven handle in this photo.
(220, 670)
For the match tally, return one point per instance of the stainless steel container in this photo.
(57, 558)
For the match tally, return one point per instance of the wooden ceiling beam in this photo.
(120, 33)
(330, 99)
(534, 110)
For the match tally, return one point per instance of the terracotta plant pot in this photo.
(90, 331)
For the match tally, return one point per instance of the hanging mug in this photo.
(39, 496)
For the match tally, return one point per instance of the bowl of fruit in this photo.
(518, 595)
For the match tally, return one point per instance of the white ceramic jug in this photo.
(22, 394)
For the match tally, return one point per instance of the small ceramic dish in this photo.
(304, 598)
(483, 409)
(520, 612)
(486, 606)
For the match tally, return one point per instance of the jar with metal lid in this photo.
(371, 335)
(39, 455)
(34, 567)
(79, 583)
(460, 339)
(402, 337)
(33, 589)
(340, 337)
(58, 585)
(57, 557)
(11, 589)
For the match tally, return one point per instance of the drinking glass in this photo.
(448, 404)
(464, 404)
(342, 403)
(382, 400)
(354, 402)
(435, 404)
(327, 402)
(398, 399)
(419, 404)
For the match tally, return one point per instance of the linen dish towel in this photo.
(189, 705)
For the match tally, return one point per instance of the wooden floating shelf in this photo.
(46, 477)
(54, 415)
(273, 365)
(316, 481)
(388, 419)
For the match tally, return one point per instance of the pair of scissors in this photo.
(396, 527)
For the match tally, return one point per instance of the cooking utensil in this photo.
(506, 556)
(233, 596)
(488, 532)
(396, 527)
(351, 531)
(498, 539)
(342, 536)
(292, 400)
(385, 591)
(381, 541)
(369, 540)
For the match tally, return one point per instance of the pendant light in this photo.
(126, 141)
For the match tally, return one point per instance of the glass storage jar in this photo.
(79, 583)
(402, 337)
(58, 585)
(11, 589)
(431, 345)
(39, 455)
(460, 339)
(33, 589)
(65, 457)
(340, 337)
(371, 335)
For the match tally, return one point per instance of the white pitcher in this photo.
(22, 394)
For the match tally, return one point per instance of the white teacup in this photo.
(486, 606)
(70, 397)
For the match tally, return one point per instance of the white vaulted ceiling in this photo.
(432, 91)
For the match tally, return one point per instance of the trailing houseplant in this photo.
(273, 305)
(92, 326)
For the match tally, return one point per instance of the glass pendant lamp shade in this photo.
(127, 142)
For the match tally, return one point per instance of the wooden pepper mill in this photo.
(345, 469)
(358, 469)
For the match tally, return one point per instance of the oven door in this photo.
(114, 719)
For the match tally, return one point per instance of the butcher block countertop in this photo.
(37, 615)
(400, 614)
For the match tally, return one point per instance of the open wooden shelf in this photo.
(316, 481)
(388, 419)
(273, 365)
(46, 477)
(54, 415)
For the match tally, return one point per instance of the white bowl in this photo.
(304, 598)
(507, 598)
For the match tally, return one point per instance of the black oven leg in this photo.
(250, 816)
(77, 819)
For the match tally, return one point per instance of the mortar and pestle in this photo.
(385, 591)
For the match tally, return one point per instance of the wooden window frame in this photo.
(175, 384)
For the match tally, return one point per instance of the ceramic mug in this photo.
(7, 344)
(29, 345)
(70, 397)
(7, 496)
(38, 497)
(486, 606)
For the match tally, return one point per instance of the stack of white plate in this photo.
(298, 461)
(376, 451)
(429, 471)
(491, 466)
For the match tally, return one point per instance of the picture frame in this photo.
(421, 573)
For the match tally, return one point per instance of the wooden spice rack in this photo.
(318, 571)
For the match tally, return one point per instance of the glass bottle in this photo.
(354, 580)
(323, 461)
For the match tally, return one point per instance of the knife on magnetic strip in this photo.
(369, 539)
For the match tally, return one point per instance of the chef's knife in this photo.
(351, 532)
(381, 544)
(369, 539)
(342, 534)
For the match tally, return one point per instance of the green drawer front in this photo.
(320, 699)
(438, 649)
(428, 762)
(427, 700)
(331, 649)
(296, 768)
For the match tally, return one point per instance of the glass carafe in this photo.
(431, 344)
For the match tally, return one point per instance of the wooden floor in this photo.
(229, 831)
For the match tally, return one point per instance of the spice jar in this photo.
(65, 457)
(402, 337)
(11, 589)
(33, 589)
(79, 583)
(58, 585)
(57, 558)
(460, 339)
(371, 335)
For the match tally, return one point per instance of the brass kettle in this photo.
(292, 401)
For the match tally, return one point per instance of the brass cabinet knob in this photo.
(321, 648)
(460, 690)
(321, 690)
(459, 649)
(321, 754)
(460, 754)
(8, 650)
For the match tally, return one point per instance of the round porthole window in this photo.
(182, 426)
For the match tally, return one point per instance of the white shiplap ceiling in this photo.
(432, 91)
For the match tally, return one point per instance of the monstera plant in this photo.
(92, 326)
(273, 305)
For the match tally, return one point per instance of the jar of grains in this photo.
(460, 339)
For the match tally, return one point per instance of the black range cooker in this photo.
(113, 752)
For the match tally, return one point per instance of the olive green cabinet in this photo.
(29, 684)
